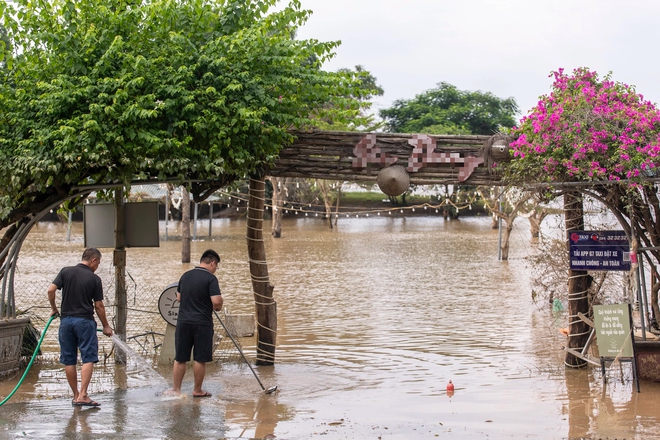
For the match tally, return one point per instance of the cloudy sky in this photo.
(507, 47)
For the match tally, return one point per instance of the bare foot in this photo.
(171, 392)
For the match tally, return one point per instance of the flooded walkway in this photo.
(374, 319)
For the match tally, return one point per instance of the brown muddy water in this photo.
(375, 318)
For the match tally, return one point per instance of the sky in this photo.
(506, 47)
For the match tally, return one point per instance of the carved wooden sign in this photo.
(423, 155)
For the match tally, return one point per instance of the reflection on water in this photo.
(374, 318)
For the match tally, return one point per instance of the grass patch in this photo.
(357, 198)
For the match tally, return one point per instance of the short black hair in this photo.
(90, 253)
(209, 256)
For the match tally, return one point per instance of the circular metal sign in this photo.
(168, 305)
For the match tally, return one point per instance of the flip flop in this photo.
(206, 394)
(90, 403)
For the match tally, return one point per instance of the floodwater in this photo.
(374, 319)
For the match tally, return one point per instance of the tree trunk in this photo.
(655, 288)
(327, 199)
(505, 239)
(494, 223)
(535, 222)
(119, 261)
(337, 206)
(279, 196)
(265, 305)
(185, 225)
(578, 284)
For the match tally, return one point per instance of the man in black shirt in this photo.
(82, 294)
(199, 295)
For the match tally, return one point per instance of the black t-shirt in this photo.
(80, 288)
(196, 287)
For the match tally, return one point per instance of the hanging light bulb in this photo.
(402, 211)
(346, 215)
(390, 212)
(305, 214)
(425, 208)
(379, 213)
(367, 215)
(316, 215)
(413, 210)
(436, 211)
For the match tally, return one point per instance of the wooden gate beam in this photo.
(439, 159)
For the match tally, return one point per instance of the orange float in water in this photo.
(450, 386)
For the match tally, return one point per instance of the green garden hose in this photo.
(36, 351)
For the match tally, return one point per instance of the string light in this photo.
(307, 207)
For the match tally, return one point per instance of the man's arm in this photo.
(217, 302)
(100, 311)
(51, 299)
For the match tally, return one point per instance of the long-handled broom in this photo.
(266, 390)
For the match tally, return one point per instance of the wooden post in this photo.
(195, 221)
(185, 225)
(167, 209)
(210, 218)
(119, 261)
(265, 305)
(578, 285)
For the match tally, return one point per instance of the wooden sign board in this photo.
(613, 331)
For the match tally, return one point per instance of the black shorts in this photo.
(198, 338)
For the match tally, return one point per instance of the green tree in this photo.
(367, 89)
(4, 47)
(447, 110)
(109, 91)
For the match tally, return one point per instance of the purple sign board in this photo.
(599, 250)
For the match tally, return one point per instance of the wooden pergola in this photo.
(354, 156)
